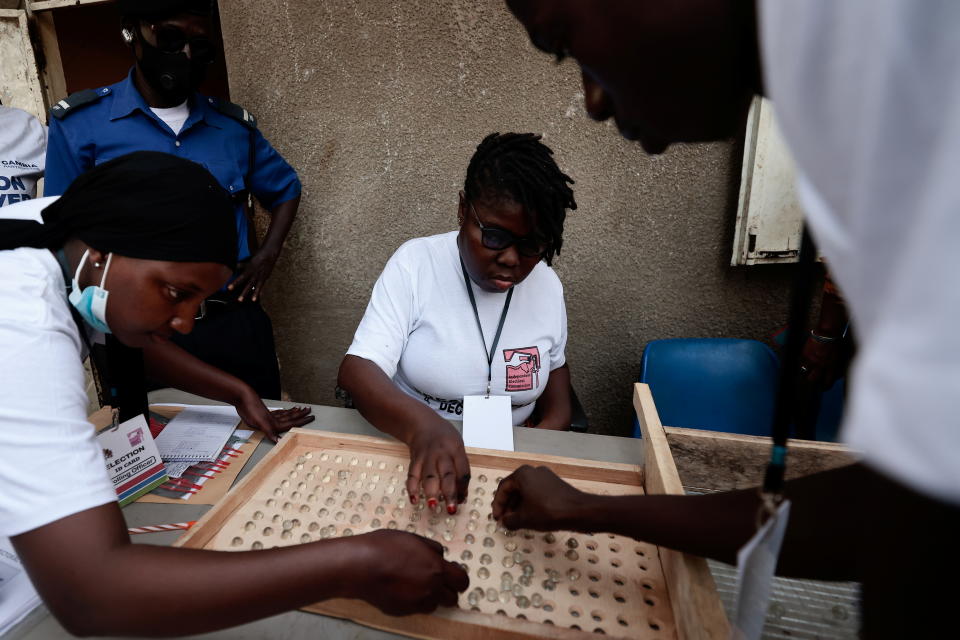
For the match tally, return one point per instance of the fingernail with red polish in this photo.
(432, 503)
(451, 508)
(413, 499)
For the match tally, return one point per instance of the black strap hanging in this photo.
(785, 407)
(476, 315)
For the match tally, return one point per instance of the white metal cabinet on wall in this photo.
(769, 217)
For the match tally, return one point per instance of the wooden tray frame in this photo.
(698, 612)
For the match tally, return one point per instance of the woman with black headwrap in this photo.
(132, 248)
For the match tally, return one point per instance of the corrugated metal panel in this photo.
(807, 609)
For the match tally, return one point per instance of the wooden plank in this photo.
(698, 612)
(54, 82)
(19, 81)
(717, 461)
(47, 5)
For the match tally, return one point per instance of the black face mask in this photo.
(173, 75)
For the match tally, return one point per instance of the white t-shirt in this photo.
(867, 93)
(175, 117)
(23, 149)
(420, 329)
(50, 464)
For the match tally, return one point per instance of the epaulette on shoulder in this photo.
(76, 100)
(236, 112)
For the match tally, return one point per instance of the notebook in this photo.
(196, 435)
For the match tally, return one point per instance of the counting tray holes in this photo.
(593, 559)
(619, 580)
(619, 597)
(594, 576)
(597, 615)
(593, 593)
(622, 621)
(574, 591)
(591, 545)
(650, 602)
(639, 551)
(654, 625)
(615, 548)
(549, 606)
(615, 562)
(575, 612)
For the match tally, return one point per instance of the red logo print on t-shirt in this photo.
(525, 375)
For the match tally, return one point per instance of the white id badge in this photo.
(756, 563)
(488, 422)
(132, 459)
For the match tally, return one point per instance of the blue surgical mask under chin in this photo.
(91, 303)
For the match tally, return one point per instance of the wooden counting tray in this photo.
(316, 485)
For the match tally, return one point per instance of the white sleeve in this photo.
(50, 464)
(390, 316)
(558, 353)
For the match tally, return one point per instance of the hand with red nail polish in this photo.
(439, 463)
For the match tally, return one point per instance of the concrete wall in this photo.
(379, 106)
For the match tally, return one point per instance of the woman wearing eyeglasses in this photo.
(473, 311)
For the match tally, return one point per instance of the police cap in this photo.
(163, 8)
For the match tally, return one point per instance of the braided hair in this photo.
(520, 167)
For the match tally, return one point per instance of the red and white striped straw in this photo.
(156, 528)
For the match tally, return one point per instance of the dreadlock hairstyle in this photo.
(519, 166)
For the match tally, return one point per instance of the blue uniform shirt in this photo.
(120, 122)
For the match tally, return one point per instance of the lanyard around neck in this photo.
(476, 315)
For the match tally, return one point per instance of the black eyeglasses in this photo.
(499, 239)
(170, 39)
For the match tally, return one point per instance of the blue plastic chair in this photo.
(718, 384)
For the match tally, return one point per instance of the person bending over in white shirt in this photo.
(418, 350)
(143, 239)
(867, 94)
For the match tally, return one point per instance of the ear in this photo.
(97, 258)
(462, 209)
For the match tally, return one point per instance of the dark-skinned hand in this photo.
(256, 415)
(536, 498)
(438, 463)
(405, 573)
(821, 362)
(251, 282)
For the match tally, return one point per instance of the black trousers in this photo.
(237, 337)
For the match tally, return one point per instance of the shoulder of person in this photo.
(78, 101)
(12, 116)
(544, 276)
(233, 111)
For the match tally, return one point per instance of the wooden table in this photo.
(296, 625)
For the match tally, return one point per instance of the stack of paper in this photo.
(196, 435)
(17, 595)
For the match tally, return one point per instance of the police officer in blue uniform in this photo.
(156, 107)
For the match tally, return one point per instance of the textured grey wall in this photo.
(379, 106)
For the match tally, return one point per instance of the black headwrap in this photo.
(163, 8)
(147, 205)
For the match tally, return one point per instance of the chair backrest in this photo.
(720, 384)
